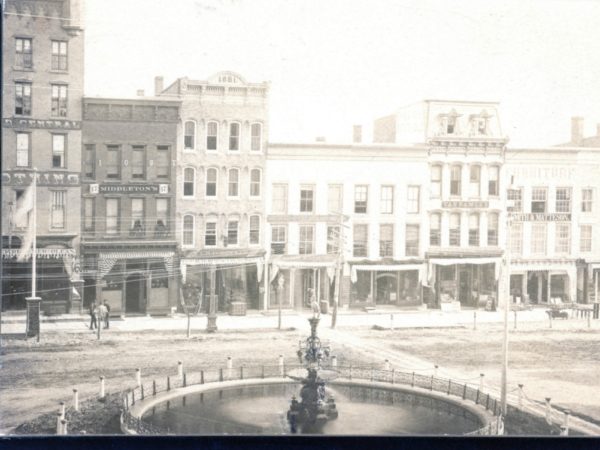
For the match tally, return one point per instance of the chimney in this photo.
(577, 130)
(140, 92)
(357, 134)
(158, 85)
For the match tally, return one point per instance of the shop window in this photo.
(138, 162)
(414, 199)
(58, 150)
(386, 240)
(59, 100)
(587, 196)
(492, 231)
(57, 216)
(163, 158)
(256, 137)
(333, 239)
(233, 183)
(516, 197)
(232, 232)
(59, 55)
(474, 181)
(114, 279)
(454, 232)
(278, 239)
(474, 230)
(254, 237)
(516, 238)
(137, 217)
(113, 163)
(435, 226)
(455, 180)
(211, 182)
(361, 243)
(210, 234)
(234, 136)
(280, 195)
(563, 200)
(112, 215)
(493, 181)
(89, 162)
(23, 149)
(387, 200)
(436, 181)
(22, 99)
(362, 288)
(585, 238)
(563, 238)
(412, 240)
(188, 231)
(334, 198)
(189, 137)
(307, 195)
(158, 275)
(538, 238)
(306, 240)
(23, 53)
(255, 180)
(361, 194)
(538, 200)
(88, 214)
(212, 132)
(189, 175)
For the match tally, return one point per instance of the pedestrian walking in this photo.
(102, 313)
(93, 322)
(107, 317)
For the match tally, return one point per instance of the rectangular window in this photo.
(232, 232)
(57, 219)
(112, 216)
(538, 238)
(435, 226)
(454, 232)
(333, 239)
(412, 240)
(361, 194)
(189, 136)
(234, 136)
(59, 100)
(387, 200)
(492, 229)
(256, 143)
(255, 181)
(211, 182)
(587, 196)
(538, 200)
(137, 216)
(334, 198)
(436, 181)
(210, 234)
(386, 240)
(474, 230)
(88, 214)
(212, 130)
(113, 163)
(138, 162)
(233, 183)
(278, 239)
(23, 149)
(515, 196)
(254, 237)
(414, 199)
(163, 156)
(306, 239)
(59, 55)
(455, 180)
(307, 197)
(280, 195)
(188, 230)
(23, 53)
(361, 242)
(516, 238)
(89, 161)
(22, 99)
(563, 200)
(58, 150)
(563, 238)
(475, 181)
(493, 181)
(585, 238)
(188, 182)
(161, 228)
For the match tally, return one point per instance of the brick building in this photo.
(42, 60)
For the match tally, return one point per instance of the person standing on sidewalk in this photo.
(93, 322)
(107, 317)
(102, 313)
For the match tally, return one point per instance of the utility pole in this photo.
(338, 272)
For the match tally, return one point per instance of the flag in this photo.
(27, 243)
(24, 206)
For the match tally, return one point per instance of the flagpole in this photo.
(34, 244)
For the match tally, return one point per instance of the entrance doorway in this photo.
(135, 293)
(537, 287)
(464, 288)
(387, 288)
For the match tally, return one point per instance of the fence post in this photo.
(281, 371)
(412, 383)
(64, 427)
(393, 375)
(184, 380)
(180, 369)
(435, 370)
(221, 374)
(153, 387)
(59, 419)
(465, 391)
(387, 365)
(168, 383)
(431, 385)
(477, 398)
(487, 402)
(133, 397)
(520, 396)
(566, 421)
(391, 321)
(229, 367)
(449, 386)
(481, 381)
(75, 400)
(62, 409)
(138, 377)
(142, 390)
(474, 320)
(202, 377)
(548, 410)
(102, 388)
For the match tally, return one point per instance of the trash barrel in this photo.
(324, 307)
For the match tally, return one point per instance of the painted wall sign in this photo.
(542, 173)
(43, 178)
(15, 122)
(542, 217)
(465, 204)
(128, 189)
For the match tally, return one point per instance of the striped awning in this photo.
(107, 260)
(222, 262)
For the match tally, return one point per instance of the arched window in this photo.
(211, 182)
(234, 136)
(434, 229)
(189, 137)
(234, 183)
(256, 132)
(255, 183)
(188, 181)
(212, 132)
(254, 230)
(188, 231)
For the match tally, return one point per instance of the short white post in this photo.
(62, 409)
(520, 395)
(59, 419)
(548, 410)
(563, 431)
(101, 387)
(229, 366)
(180, 369)
(435, 370)
(566, 421)
(138, 377)
(391, 321)
(474, 320)
(334, 361)
(64, 427)
(481, 381)
(281, 365)
(387, 365)
(75, 400)
(589, 319)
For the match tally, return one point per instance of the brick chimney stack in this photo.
(158, 85)
(577, 130)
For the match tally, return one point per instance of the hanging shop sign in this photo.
(465, 204)
(44, 253)
(541, 217)
(43, 178)
(14, 122)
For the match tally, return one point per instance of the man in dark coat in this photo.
(93, 323)
(107, 315)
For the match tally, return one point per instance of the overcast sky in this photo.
(334, 63)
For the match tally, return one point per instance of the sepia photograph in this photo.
(242, 218)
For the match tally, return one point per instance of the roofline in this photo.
(478, 102)
(139, 99)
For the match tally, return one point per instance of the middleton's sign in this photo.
(127, 188)
(466, 204)
(14, 122)
(43, 178)
(542, 217)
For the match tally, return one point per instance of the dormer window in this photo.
(479, 123)
(451, 125)
(448, 123)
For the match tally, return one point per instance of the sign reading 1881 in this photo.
(542, 217)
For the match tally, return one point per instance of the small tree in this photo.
(191, 302)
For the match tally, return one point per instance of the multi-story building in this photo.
(221, 151)
(128, 204)
(42, 61)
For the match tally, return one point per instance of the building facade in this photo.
(221, 152)
(42, 59)
(128, 204)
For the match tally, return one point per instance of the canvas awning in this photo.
(107, 260)
(222, 262)
(386, 267)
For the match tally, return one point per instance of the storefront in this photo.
(389, 284)
(543, 281)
